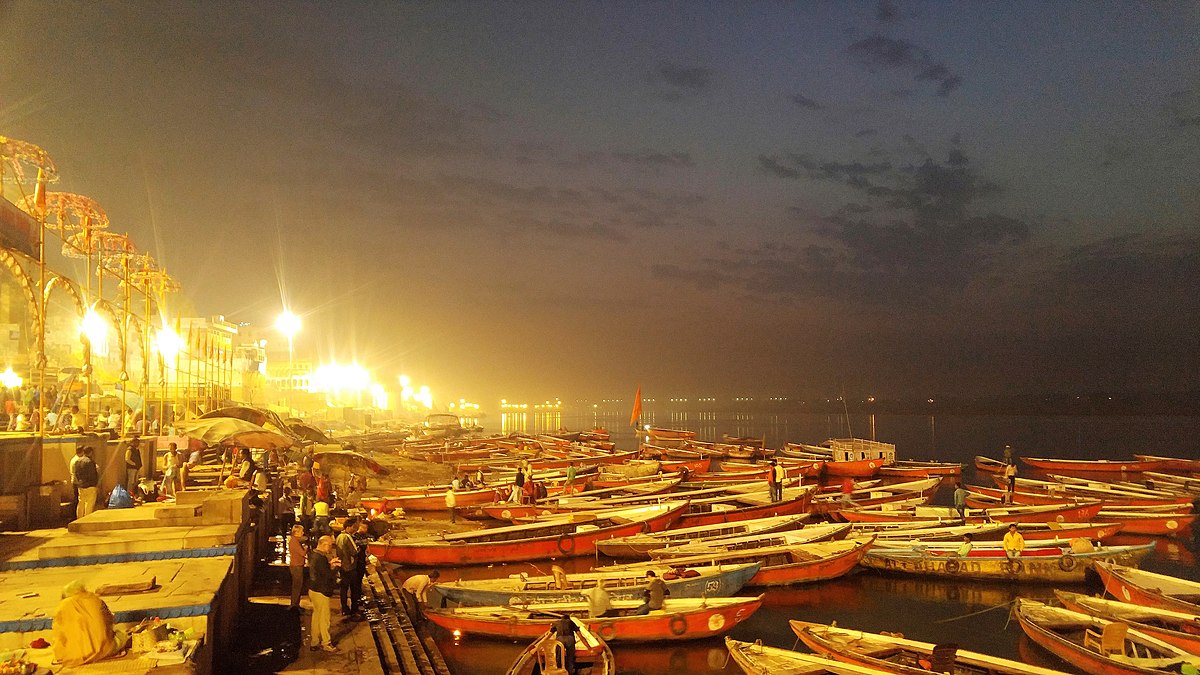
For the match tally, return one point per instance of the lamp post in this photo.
(289, 324)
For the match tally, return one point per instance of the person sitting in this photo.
(599, 600)
(83, 628)
(654, 594)
(964, 549)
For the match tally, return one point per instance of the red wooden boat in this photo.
(1033, 498)
(517, 543)
(556, 463)
(432, 500)
(705, 514)
(786, 565)
(1078, 512)
(892, 653)
(1153, 524)
(1079, 639)
(907, 468)
(1130, 584)
(649, 493)
(692, 466)
(1052, 465)
(1175, 628)
(1173, 463)
(989, 465)
(681, 619)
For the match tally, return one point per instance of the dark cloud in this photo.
(1183, 107)
(863, 133)
(883, 53)
(806, 102)
(679, 81)
(886, 12)
(1139, 267)
(921, 232)
(655, 159)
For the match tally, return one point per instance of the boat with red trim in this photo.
(679, 619)
(518, 543)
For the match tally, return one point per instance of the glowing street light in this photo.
(95, 329)
(9, 379)
(289, 324)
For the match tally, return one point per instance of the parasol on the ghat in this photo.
(350, 461)
(230, 430)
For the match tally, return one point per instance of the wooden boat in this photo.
(1172, 483)
(1052, 465)
(831, 501)
(638, 546)
(805, 535)
(1176, 628)
(516, 543)
(1096, 645)
(787, 565)
(989, 465)
(1075, 512)
(710, 512)
(1173, 463)
(544, 655)
(755, 658)
(638, 491)
(1130, 584)
(909, 468)
(926, 531)
(679, 619)
(583, 460)
(519, 589)
(1155, 524)
(1023, 497)
(1035, 565)
(658, 434)
(434, 500)
(896, 654)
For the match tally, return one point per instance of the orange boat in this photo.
(681, 619)
(786, 565)
(1098, 646)
(519, 543)
(1051, 465)
(1130, 584)
(1175, 628)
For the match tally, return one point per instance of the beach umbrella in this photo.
(350, 461)
(308, 433)
(231, 430)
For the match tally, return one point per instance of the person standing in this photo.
(1010, 474)
(321, 518)
(347, 551)
(1008, 454)
(133, 463)
(322, 564)
(170, 475)
(569, 488)
(297, 561)
(656, 592)
(451, 502)
(87, 477)
(960, 500)
(777, 476)
(1014, 542)
(361, 538)
(74, 483)
(286, 511)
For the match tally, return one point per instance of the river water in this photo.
(973, 615)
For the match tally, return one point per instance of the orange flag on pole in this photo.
(637, 407)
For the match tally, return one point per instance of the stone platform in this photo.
(200, 551)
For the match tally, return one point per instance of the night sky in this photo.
(540, 199)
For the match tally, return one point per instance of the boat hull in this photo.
(718, 583)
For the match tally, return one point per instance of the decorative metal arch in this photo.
(13, 265)
(57, 280)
